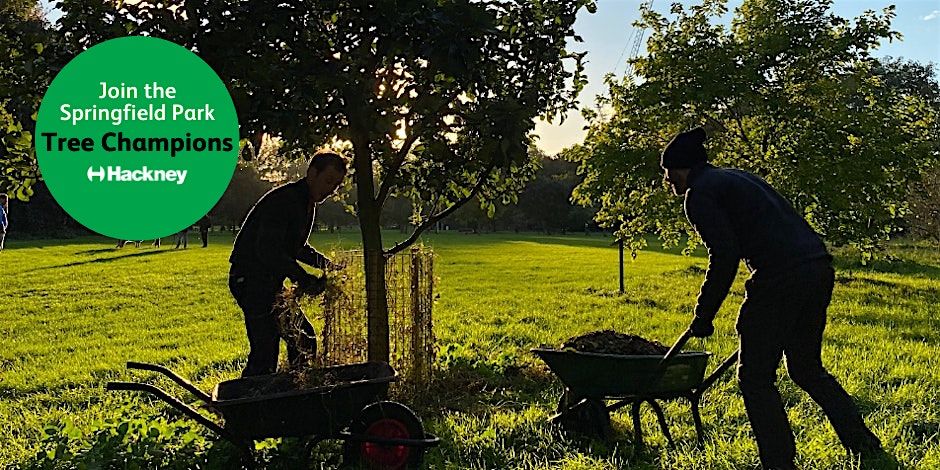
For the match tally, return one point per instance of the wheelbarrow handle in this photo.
(175, 403)
(173, 376)
(677, 347)
(719, 371)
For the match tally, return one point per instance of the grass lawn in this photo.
(73, 311)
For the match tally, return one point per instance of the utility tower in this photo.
(637, 38)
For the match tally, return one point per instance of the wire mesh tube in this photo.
(409, 278)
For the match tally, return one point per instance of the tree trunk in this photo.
(374, 257)
(376, 292)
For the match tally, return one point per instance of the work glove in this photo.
(311, 285)
(701, 327)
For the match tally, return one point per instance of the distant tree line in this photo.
(543, 206)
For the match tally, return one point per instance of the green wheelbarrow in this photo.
(592, 379)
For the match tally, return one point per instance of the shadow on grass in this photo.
(880, 461)
(572, 241)
(95, 251)
(904, 326)
(476, 387)
(654, 245)
(898, 266)
(479, 390)
(898, 287)
(101, 260)
(629, 297)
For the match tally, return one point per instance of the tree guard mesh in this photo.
(409, 277)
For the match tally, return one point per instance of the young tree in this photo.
(789, 92)
(436, 97)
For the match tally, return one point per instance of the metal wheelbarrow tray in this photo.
(591, 379)
(350, 408)
(286, 411)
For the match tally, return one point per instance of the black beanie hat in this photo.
(686, 150)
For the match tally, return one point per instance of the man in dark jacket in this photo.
(272, 240)
(739, 216)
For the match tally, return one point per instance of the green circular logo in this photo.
(137, 138)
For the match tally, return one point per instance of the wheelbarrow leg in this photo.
(697, 418)
(637, 429)
(585, 416)
(696, 396)
(662, 421)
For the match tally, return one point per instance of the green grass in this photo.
(73, 311)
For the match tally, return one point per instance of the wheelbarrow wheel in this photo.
(388, 420)
(588, 417)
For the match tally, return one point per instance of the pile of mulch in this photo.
(612, 342)
(306, 378)
(288, 381)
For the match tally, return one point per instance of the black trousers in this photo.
(204, 234)
(256, 294)
(785, 316)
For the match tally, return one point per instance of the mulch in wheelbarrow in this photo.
(612, 342)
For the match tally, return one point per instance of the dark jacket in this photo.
(205, 223)
(275, 232)
(739, 216)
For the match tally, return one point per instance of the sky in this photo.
(607, 35)
(607, 32)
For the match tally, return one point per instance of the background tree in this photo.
(472, 218)
(243, 191)
(334, 215)
(546, 201)
(914, 79)
(788, 92)
(436, 97)
(544, 205)
(28, 61)
(924, 216)
(398, 213)
(42, 216)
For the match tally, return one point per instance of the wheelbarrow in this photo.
(593, 379)
(376, 433)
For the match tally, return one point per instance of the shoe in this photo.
(866, 444)
(878, 460)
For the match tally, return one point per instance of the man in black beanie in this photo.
(739, 216)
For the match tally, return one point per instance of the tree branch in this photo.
(741, 133)
(444, 213)
(392, 174)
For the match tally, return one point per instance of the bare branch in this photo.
(430, 221)
(392, 174)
